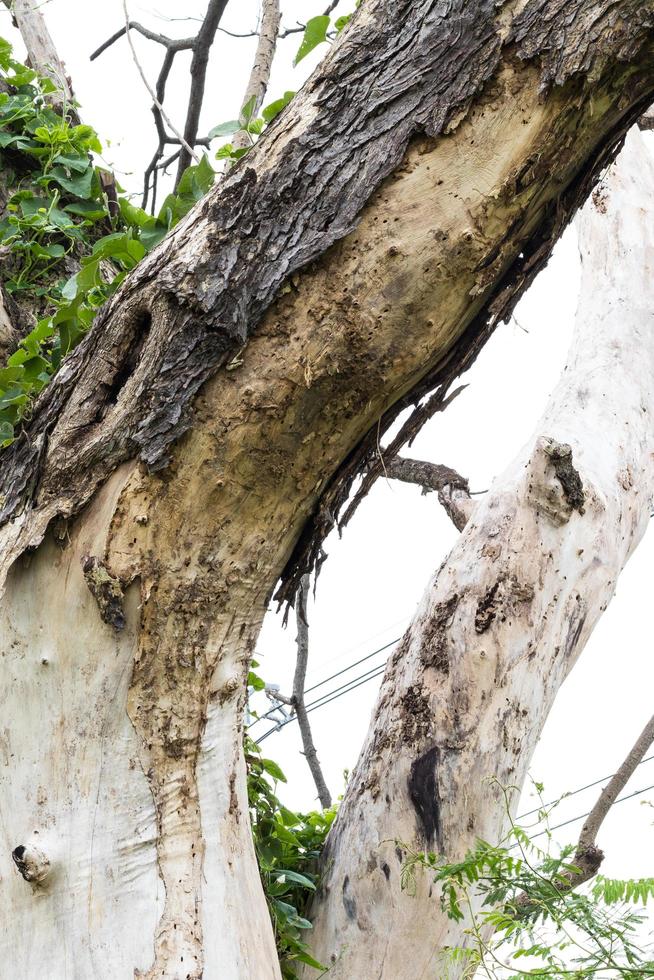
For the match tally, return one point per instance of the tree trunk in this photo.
(393, 212)
(466, 693)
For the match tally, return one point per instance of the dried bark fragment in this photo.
(573, 489)
(106, 590)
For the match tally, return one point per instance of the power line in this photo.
(621, 799)
(330, 696)
(343, 688)
(574, 792)
(355, 664)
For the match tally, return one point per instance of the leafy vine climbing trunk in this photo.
(466, 693)
(197, 438)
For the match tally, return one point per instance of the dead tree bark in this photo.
(207, 428)
(466, 693)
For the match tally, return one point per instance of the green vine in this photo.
(288, 846)
(58, 219)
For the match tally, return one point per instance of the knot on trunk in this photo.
(555, 487)
(32, 863)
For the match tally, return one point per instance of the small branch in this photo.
(199, 62)
(588, 857)
(298, 693)
(452, 488)
(302, 27)
(184, 44)
(153, 95)
(257, 86)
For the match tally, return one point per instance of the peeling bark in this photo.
(509, 613)
(223, 399)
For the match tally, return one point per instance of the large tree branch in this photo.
(224, 265)
(466, 694)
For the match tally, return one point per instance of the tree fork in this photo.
(397, 207)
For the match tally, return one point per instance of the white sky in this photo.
(374, 577)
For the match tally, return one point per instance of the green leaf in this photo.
(297, 878)
(91, 210)
(273, 770)
(225, 129)
(273, 109)
(248, 109)
(314, 34)
(78, 162)
(80, 186)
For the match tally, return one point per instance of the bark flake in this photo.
(107, 591)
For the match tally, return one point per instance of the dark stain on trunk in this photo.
(425, 797)
(486, 609)
(349, 904)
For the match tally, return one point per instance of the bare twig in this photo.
(153, 94)
(167, 134)
(257, 86)
(588, 857)
(298, 694)
(41, 52)
(302, 27)
(199, 62)
(453, 490)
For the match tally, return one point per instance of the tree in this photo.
(201, 439)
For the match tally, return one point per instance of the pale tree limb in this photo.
(257, 86)
(41, 51)
(466, 693)
(297, 699)
(452, 488)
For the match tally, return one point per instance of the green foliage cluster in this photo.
(593, 932)
(288, 846)
(57, 220)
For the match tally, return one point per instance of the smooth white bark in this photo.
(465, 697)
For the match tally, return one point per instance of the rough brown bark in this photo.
(370, 241)
(407, 81)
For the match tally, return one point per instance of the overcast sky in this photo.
(371, 584)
